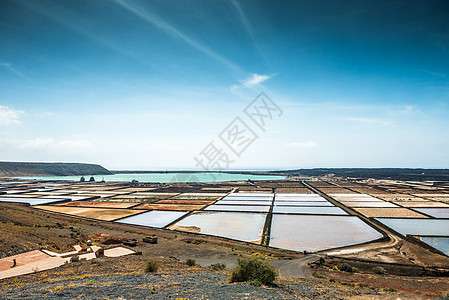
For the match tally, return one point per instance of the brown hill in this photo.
(50, 169)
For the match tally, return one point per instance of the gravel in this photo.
(173, 285)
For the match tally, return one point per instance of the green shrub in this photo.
(74, 259)
(254, 271)
(218, 266)
(190, 262)
(345, 267)
(444, 296)
(151, 266)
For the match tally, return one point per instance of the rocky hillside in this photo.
(50, 169)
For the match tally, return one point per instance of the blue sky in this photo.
(148, 84)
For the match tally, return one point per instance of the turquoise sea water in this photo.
(166, 177)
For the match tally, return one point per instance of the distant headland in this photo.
(13, 169)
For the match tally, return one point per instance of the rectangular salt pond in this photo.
(70, 197)
(439, 213)
(296, 195)
(314, 233)
(368, 204)
(239, 208)
(303, 203)
(417, 226)
(105, 214)
(309, 210)
(357, 199)
(17, 191)
(439, 243)
(237, 226)
(423, 204)
(248, 198)
(301, 199)
(351, 195)
(241, 202)
(31, 201)
(251, 194)
(154, 218)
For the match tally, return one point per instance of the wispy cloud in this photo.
(9, 116)
(246, 24)
(410, 109)
(10, 68)
(45, 143)
(173, 32)
(255, 79)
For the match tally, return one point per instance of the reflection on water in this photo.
(154, 218)
(314, 233)
(238, 226)
(417, 226)
(439, 243)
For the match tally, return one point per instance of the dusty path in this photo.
(296, 268)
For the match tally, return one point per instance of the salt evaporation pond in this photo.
(242, 202)
(239, 208)
(243, 194)
(299, 199)
(154, 218)
(309, 210)
(417, 226)
(31, 201)
(439, 243)
(368, 204)
(237, 226)
(440, 213)
(167, 177)
(235, 199)
(303, 203)
(314, 233)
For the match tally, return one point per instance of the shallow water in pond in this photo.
(303, 203)
(31, 201)
(155, 218)
(435, 212)
(439, 243)
(238, 226)
(239, 208)
(309, 210)
(314, 233)
(417, 226)
(242, 202)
